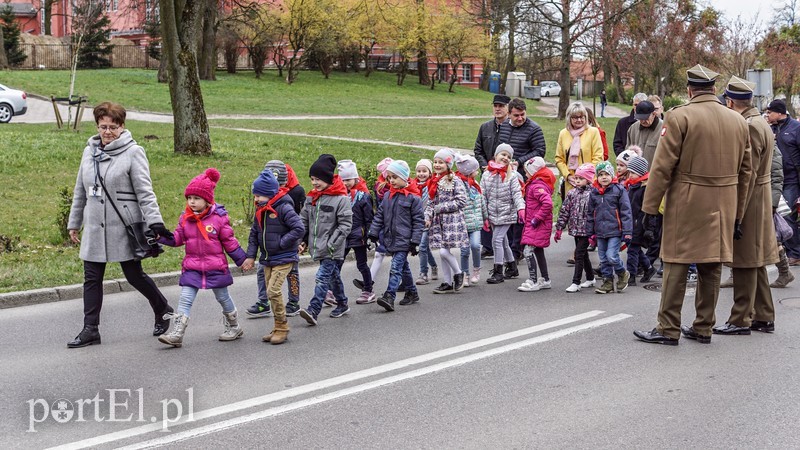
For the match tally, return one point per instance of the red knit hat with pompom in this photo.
(203, 185)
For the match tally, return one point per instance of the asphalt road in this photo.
(491, 367)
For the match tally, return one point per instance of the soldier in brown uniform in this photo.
(702, 165)
(758, 247)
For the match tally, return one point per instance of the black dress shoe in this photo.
(731, 329)
(162, 324)
(763, 326)
(359, 283)
(486, 253)
(689, 333)
(90, 335)
(654, 337)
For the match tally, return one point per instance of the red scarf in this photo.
(291, 177)
(360, 185)
(470, 181)
(335, 188)
(268, 207)
(543, 174)
(433, 182)
(631, 181)
(410, 189)
(189, 214)
(498, 169)
(601, 189)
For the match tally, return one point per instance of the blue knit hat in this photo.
(265, 184)
(399, 168)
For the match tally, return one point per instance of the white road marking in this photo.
(347, 378)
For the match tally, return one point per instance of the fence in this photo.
(58, 56)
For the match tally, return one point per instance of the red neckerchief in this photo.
(543, 174)
(470, 181)
(335, 188)
(189, 214)
(360, 185)
(498, 169)
(268, 207)
(433, 182)
(291, 177)
(410, 189)
(601, 189)
(631, 181)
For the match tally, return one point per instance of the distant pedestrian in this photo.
(603, 103)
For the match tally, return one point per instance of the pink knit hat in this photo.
(586, 171)
(383, 165)
(203, 185)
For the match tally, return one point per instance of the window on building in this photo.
(444, 74)
(466, 72)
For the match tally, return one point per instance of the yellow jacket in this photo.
(591, 151)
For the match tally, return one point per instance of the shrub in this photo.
(611, 92)
(62, 213)
(671, 101)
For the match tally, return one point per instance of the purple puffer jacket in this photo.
(539, 205)
(205, 265)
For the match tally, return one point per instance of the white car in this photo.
(12, 103)
(550, 88)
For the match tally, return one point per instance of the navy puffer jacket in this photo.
(401, 219)
(279, 235)
(361, 205)
(610, 212)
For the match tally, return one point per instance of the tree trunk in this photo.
(422, 45)
(3, 58)
(163, 75)
(510, 59)
(208, 50)
(48, 16)
(180, 29)
(566, 50)
(454, 78)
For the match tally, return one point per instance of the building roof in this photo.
(21, 9)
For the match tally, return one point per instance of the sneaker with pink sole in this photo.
(330, 300)
(476, 276)
(365, 298)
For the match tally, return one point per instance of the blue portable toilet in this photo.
(494, 82)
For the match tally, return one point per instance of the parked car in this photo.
(550, 88)
(12, 103)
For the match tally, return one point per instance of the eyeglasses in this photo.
(578, 117)
(111, 128)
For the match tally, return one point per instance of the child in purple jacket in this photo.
(206, 231)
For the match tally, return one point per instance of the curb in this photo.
(75, 291)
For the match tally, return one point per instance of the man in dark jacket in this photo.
(522, 134)
(787, 135)
(487, 134)
(621, 132)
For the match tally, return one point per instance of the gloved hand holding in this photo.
(486, 226)
(737, 229)
(557, 236)
(161, 231)
(626, 239)
(593, 240)
(521, 216)
(649, 237)
(414, 250)
(535, 222)
(374, 239)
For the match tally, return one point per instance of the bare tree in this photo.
(207, 63)
(739, 51)
(787, 13)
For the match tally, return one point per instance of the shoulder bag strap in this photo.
(113, 205)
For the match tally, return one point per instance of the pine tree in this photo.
(91, 27)
(10, 29)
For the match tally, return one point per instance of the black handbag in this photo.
(142, 240)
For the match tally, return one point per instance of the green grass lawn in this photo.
(242, 93)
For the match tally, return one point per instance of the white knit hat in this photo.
(347, 170)
(504, 148)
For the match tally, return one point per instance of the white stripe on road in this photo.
(331, 382)
(230, 423)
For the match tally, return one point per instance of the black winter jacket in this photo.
(526, 140)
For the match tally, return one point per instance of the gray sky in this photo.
(747, 8)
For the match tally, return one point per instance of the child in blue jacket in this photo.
(361, 204)
(610, 221)
(276, 232)
(401, 221)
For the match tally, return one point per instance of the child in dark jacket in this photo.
(574, 216)
(205, 230)
(327, 218)
(276, 232)
(361, 204)
(286, 180)
(400, 219)
(610, 220)
(636, 183)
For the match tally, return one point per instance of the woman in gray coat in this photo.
(113, 167)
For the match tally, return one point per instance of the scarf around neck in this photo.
(360, 186)
(268, 206)
(433, 183)
(410, 189)
(631, 181)
(189, 214)
(499, 169)
(575, 147)
(334, 189)
(470, 181)
(601, 189)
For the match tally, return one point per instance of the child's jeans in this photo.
(636, 257)
(610, 262)
(361, 265)
(425, 255)
(400, 272)
(294, 284)
(328, 278)
(188, 294)
(475, 246)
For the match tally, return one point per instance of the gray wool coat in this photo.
(126, 173)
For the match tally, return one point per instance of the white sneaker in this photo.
(528, 286)
(587, 284)
(573, 288)
(476, 276)
(466, 280)
(544, 284)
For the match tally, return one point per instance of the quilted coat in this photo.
(503, 197)
(539, 205)
(445, 213)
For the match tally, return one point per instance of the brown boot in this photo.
(784, 274)
(268, 337)
(729, 282)
(280, 334)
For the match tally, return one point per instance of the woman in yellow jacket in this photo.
(572, 152)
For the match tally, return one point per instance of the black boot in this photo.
(497, 275)
(458, 281)
(162, 323)
(90, 335)
(511, 270)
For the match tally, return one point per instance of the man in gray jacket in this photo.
(487, 134)
(646, 131)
